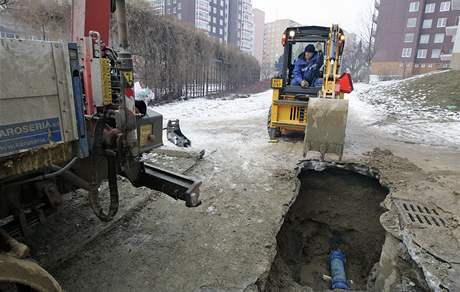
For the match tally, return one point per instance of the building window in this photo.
(445, 6)
(408, 37)
(435, 53)
(414, 6)
(406, 53)
(179, 16)
(427, 23)
(424, 39)
(421, 54)
(412, 22)
(430, 65)
(442, 22)
(438, 38)
(430, 7)
(423, 66)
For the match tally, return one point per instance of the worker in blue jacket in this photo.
(306, 68)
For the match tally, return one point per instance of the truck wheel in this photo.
(273, 133)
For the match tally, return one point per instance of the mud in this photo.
(335, 208)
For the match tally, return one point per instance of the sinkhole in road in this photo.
(335, 208)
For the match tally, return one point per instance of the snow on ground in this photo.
(203, 109)
(409, 121)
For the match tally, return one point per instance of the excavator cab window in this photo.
(294, 40)
(297, 51)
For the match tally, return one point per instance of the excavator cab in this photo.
(320, 111)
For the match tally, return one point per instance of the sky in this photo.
(349, 14)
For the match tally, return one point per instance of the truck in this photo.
(69, 120)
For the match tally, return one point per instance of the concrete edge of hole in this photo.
(398, 268)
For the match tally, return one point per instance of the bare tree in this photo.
(44, 19)
(360, 48)
(368, 33)
(178, 60)
(172, 58)
(354, 60)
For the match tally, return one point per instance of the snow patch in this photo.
(410, 121)
(204, 109)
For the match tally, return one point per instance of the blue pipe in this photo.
(337, 262)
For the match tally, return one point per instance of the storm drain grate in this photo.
(418, 214)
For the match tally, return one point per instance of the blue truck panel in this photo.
(28, 135)
(79, 102)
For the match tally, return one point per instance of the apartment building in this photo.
(229, 21)
(208, 15)
(411, 37)
(259, 26)
(241, 25)
(454, 32)
(272, 45)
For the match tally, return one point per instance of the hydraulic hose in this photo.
(93, 194)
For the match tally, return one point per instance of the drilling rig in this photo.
(69, 120)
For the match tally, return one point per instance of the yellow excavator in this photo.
(318, 109)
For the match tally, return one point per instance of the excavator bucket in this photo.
(326, 124)
(175, 135)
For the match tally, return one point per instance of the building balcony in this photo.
(445, 57)
(455, 5)
(451, 30)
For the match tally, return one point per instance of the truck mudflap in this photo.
(326, 125)
(175, 185)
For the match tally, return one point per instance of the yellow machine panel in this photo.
(106, 86)
(277, 83)
(146, 131)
